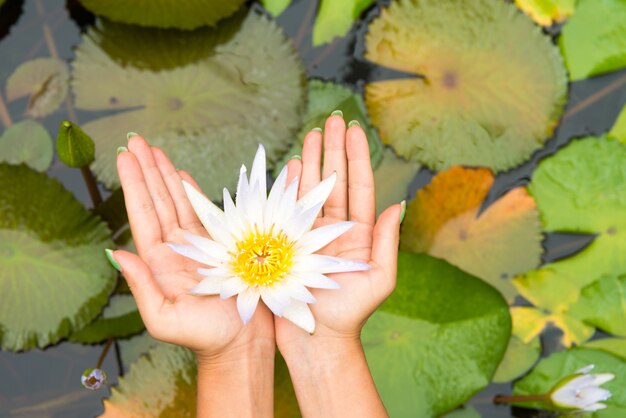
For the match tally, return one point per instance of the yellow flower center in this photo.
(262, 259)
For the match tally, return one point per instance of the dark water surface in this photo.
(47, 383)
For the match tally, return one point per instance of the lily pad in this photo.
(618, 131)
(547, 12)
(392, 178)
(559, 365)
(469, 412)
(210, 115)
(285, 401)
(27, 142)
(615, 346)
(445, 220)
(518, 359)
(335, 18)
(603, 304)
(594, 40)
(275, 7)
(160, 384)
(54, 276)
(529, 322)
(325, 97)
(120, 319)
(44, 80)
(437, 340)
(490, 86)
(188, 14)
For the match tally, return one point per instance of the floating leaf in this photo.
(603, 304)
(559, 365)
(529, 322)
(27, 142)
(547, 12)
(594, 40)
(209, 116)
(491, 85)
(113, 211)
(469, 412)
(618, 131)
(131, 349)
(119, 320)
(188, 14)
(323, 98)
(54, 277)
(74, 146)
(518, 359)
(437, 340)
(335, 17)
(275, 7)
(392, 178)
(44, 80)
(445, 221)
(615, 346)
(160, 384)
(285, 401)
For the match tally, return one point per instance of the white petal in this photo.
(232, 216)
(271, 301)
(232, 286)
(281, 293)
(322, 236)
(300, 314)
(296, 290)
(208, 286)
(586, 369)
(302, 221)
(219, 272)
(316, 280)
(276, 194)
(207, 246)
(595, 407)
(594, 394)
(327, 264)
(286, 205)
(258, 174)
(242, 189)
(255, 206)
(218, 230)
(192, 252)
(602, 378)
(201, 204)
(247, 302)
(318, 193)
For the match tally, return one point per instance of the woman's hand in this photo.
(328, 368)
(228, 352)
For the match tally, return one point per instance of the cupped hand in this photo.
(159, 213)
(341, 313)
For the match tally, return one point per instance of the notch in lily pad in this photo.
(74, 146)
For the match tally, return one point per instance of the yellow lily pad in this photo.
(547, 12)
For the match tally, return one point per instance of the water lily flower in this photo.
(581, 391)
(262, 246)
(93, 378)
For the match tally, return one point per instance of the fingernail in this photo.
(295, 157)
(114, 263)
(317, 130)
(131, 134)
(121, 149)
(403, 204)
(353, 123)
(337, 113)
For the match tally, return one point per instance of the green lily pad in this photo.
(594, 40)
(615, 346)
(551, 370)
(392, 178)
(618, 131)
(437, 340)
(210, 115)
(44, 80)
(285, 401)
(547, 12)
(275, 7)
(603, 304)
(188, 14)
(54, 276)
(160, 384)
(335, 18)
(469, 412)
(27, 142)
(120, 319)
(445, 220)
(518, 359)
(491, 85)
(323, 98)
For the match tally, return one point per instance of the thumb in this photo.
(386, 239)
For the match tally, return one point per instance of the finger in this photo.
(142, 216)
(361, 195)
(147, 293)
(335, 160)
(294, 169)
(311, 162)
(385, 243)
(163, 203)
(187, 218)
(187, 177)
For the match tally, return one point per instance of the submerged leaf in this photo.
(437, 340)
(74, 146)
(335, 17)
(547, 12)
(594, 40)
(445, 220)
(491, 85)
(44, 80)
(188, 14)
(27, 142)
(209, 115)
(54, 276)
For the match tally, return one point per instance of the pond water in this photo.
(47, 383)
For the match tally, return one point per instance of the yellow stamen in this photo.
(263, 259)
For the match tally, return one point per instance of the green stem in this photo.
(504, 399)
(105, 350)
(92, 185)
